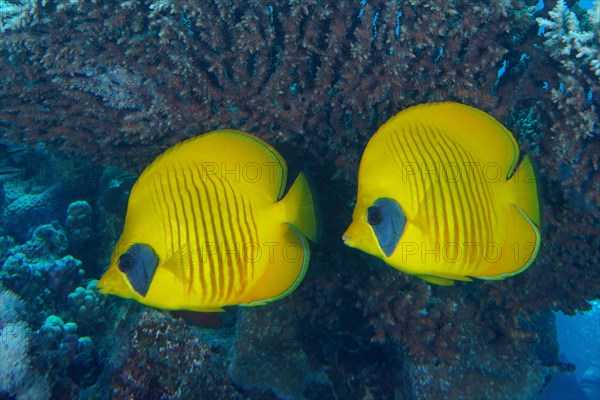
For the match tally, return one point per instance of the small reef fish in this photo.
(440, 197)
(207, 226)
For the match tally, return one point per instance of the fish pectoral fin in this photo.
(424, 218)
(285, 270)
(180, 260)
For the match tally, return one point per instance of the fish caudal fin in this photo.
(524, 185)
(301, 209)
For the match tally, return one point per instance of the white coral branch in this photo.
(566, 40)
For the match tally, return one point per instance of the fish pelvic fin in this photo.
(436, 280)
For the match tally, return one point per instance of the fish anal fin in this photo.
(524, 189)
(284, 271)
(520, 247)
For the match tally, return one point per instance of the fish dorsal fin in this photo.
(243, 160)
(475, 131)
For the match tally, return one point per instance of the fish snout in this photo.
(102, 286)
(349, 237)
(110, 282)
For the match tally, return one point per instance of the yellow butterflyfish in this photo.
(207, 226)
(440, 197)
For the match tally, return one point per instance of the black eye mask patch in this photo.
(388, 221)
(139, 264)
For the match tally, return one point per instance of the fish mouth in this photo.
(348, 240)
(103, 286)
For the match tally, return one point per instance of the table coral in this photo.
(321, 76)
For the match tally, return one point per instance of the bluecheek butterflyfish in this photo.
(441, 195)
(208, 226)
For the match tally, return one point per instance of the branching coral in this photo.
(573, 43)
(567, 42)
(17, 14)
(320, 76)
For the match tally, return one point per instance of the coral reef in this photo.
(116, 82)
(17, 376)
(268, 339)
(79, 222)
(506, 358)
(572, 43)
(40, 269)
(317, 76)
(42, 276)
(61, 348)
(162, 358)
(54, 329)
(11, 307)
(86, 303)
(27, 212)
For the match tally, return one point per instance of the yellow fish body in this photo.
(207, 227)
(440, 197)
